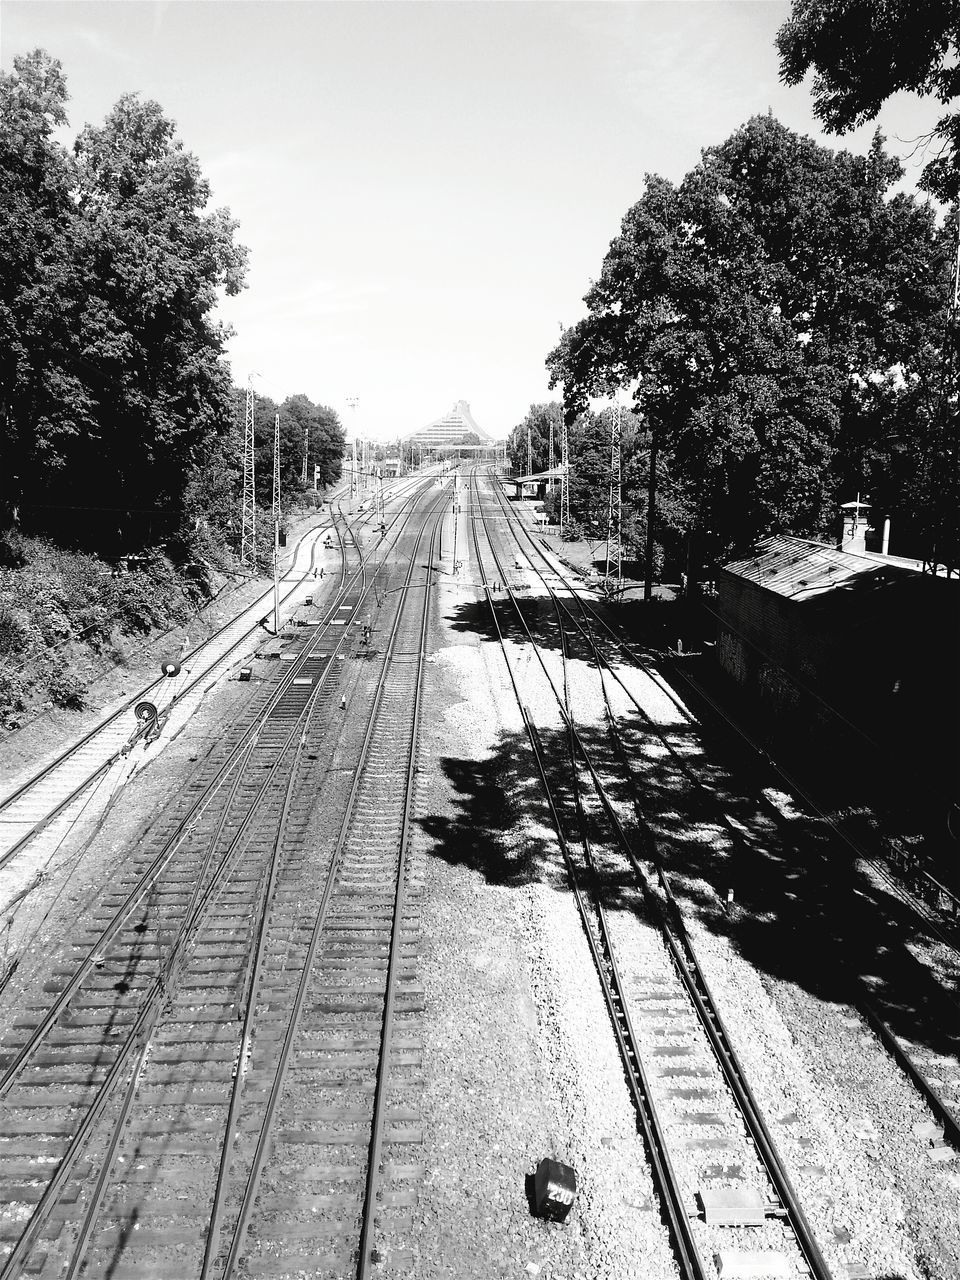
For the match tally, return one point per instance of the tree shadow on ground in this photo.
(651, 625)
(801, 911)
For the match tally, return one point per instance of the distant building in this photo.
(456, 430)
(853, 654)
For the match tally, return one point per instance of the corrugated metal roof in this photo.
(799, 569)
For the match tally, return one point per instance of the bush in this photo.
(66, 689)
(61, 608)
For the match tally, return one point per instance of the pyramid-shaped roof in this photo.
(456, 427)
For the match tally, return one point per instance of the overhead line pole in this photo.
(614, 500)
(248, 505)
(276, 525)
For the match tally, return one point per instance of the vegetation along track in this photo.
(60, 792)
(906, 999)
(660, 1006)
(229, 1039)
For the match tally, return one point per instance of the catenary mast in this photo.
(248, 508)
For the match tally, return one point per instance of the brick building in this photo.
(854, 654)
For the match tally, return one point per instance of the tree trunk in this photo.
(651, 516)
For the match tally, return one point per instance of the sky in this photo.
(427, 188)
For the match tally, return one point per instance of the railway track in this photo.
(675, 1050)
(57, 796)
(922, 1044)
(221, 1069)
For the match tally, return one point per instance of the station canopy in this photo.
(455, 430)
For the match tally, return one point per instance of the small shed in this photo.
(854, 654)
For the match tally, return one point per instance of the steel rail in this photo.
(286, 1049)
(637, 1081)
(147, 1010)
(64, 757)
(365, 1253)
(184, 825)
(933, 887)
(692, 976)
(864, 1001)
(295, 738)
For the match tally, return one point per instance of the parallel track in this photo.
(687, 979)
(58, 793)
(935, 1075)
(183, 991)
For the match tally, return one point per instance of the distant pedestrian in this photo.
(343, 702)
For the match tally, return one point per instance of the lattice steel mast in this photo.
(614, 501)
(276, 524)
(248, 508)
(943, 461)
(306, 450)
(352, 401)
(564, 478)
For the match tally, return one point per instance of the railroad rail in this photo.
(704, 1050)
(210, 1013)
(60, 792)
(935, 1074)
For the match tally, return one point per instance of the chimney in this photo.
(853, 536)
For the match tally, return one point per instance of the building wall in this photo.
(850, 668)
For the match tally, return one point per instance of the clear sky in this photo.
(427, 188)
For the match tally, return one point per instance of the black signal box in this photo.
(554, 1188)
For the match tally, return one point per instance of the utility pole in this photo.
(352, 401)
(306, 450)
(529, 453)
(550, 448)
(651, 515)
(276, 525)
(564, 478)
(614, 545)
(942, 480)
(248, 508)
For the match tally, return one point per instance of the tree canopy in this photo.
(863, 51)
(781, 315)
(113, 386)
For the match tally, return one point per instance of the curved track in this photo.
(222, 1068)
(60, 791)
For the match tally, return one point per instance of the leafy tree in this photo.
(768, 307)
(538, 419)
(113, 390)
(44, 403)
(325, 448)
(325, 440)
(154, 261)
(863, 51)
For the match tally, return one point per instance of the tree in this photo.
(154, 260)
(538, 419)
(45, 406)
(863, 51)
(768, 308)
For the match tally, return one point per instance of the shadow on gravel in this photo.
(491, 797)
(654, 624)
(800, 911)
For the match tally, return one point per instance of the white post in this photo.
(886, 536)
